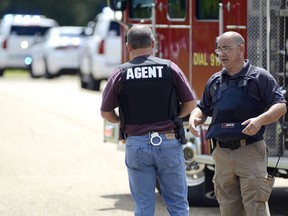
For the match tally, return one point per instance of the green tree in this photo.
(65, 12)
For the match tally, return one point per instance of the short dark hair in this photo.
(140, 36)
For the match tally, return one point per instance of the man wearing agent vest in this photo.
(241, 99)
(151, 94)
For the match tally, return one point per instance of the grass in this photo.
(16, 73)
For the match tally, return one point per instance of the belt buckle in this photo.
(155, 135)
(235, 145)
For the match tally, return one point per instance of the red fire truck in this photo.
(186, 32)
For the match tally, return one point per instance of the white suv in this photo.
(17, 34)
(100, 53)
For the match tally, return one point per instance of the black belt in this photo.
(160, 132)
(237, 143)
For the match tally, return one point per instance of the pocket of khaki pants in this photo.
(216, 189)
(265, 186)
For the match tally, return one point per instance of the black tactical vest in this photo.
(231, 106)
(147, 92)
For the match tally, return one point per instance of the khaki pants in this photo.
(240, 181)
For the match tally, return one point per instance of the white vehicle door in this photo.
(113, 44)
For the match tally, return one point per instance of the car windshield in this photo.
(29, 30)
(71, 35)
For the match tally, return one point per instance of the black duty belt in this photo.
(156, 139)
(237, 143)
(159, 132)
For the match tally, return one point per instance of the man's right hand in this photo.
(196, 118)
(193, 122)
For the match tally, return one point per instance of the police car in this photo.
(100, 53)
(18, 32)
(57, 53)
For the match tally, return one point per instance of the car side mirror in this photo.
(118, 5)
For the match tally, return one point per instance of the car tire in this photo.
(32, 75)
(203, 194)
(83, 82)
(47, 74)
(94, 84)
(1, 72)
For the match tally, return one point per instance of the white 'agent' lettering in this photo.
(144, 72)
(137, 72)
(129, 74)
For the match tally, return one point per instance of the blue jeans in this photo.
(145, 163)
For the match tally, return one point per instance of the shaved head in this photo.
(234, 36)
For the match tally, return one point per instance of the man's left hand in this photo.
(252, 126)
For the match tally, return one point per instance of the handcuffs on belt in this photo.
(155, 135)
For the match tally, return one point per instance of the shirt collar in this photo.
(242, 72)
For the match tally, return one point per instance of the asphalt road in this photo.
(53, 161)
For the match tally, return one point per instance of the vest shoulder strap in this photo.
(243, 81)
(221, 86)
